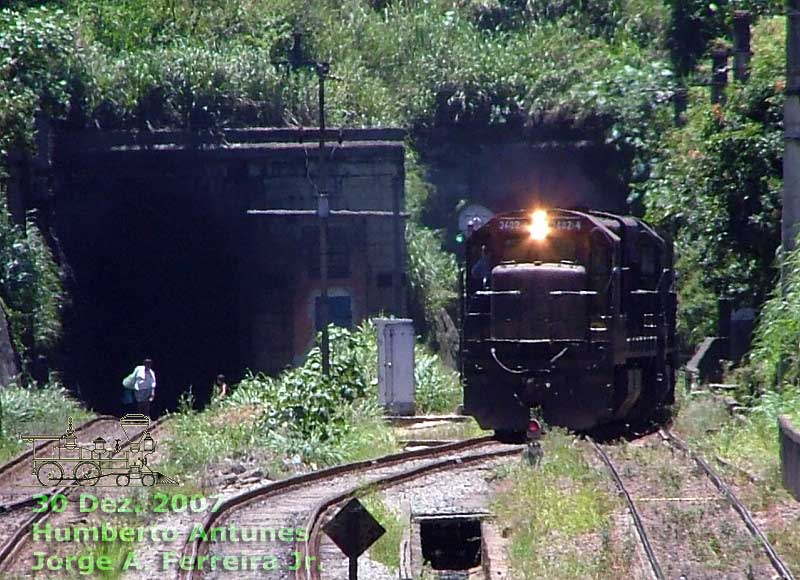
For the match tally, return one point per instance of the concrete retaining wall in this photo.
(790, 456)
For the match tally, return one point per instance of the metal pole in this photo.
(353, 568)
(791, 115)
(397, 271)
(323, 209)
(741, 45)
(719, 74)
(790, 214)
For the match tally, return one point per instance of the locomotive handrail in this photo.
(493, 351)
(535, 340)
(498, 292)
(573, 292)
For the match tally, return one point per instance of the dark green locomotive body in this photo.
(570, 312)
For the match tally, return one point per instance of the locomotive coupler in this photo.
(536, 387)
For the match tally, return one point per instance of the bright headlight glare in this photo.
(539, 227)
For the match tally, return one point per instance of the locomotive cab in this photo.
(565, 311)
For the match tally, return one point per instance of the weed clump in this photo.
(304, 416)
(562, 499)
(35, 410)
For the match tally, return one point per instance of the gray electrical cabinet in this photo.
(396, 391)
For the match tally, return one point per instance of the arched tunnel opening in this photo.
(152, 273)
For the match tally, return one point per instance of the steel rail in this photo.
(634, 511)
(310, 548)
(192, 549)
(744, 513)
(17, 539)
(13, 506)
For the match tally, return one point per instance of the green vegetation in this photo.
(716, 190)
(387, 549)
(303, 414)
(35, 410)
(746, 452)
(566, 501)
(601, 72)
(777, 335)
(30, 290)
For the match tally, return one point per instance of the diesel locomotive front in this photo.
(567, 314)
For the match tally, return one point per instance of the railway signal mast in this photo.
(323, 211)
(791, 160)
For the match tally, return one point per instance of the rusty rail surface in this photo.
(634, 511)
(192, 549)
(737, 505)
(310, 548)
(790, 456)
(16, 541)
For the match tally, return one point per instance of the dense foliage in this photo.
(302, 413)
(38, 410)
(716, 189)
(597, 69)
(694, 24)
(775, 354)
(600, 69)
(30, 289)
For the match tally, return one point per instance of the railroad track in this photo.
(738, 506)
(17, 531)
(666, 559)
(302, 501)
(16, 469)
(636, 515)
(404, 421)
(16, 480)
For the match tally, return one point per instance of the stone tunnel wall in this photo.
(165, 262)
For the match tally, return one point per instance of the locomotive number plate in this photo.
(571, 225)
(512, 225)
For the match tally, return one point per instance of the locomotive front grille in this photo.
(539, 301)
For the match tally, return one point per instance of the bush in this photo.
(303, 414)
(777, 333)
(204, 65)
(716, 189)
(31, 289)
(35, 410)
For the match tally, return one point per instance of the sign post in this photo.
(354, 530)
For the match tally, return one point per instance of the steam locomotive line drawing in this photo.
(88, 464)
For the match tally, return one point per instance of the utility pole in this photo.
(323, 212)
(791, 123)
(741, 45)
(719, 74)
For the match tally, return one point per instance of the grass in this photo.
(748, 445)
(564, 500)
(387, 549)
(745, 449)
(302, 416)
(438, 389)
(462, 430)
(369, 436)
(35, 410)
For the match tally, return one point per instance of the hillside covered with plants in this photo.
(603, 69)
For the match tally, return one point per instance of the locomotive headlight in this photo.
(539, 227)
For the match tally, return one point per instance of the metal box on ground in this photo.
(396, 365)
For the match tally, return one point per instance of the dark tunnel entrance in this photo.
(153, 272)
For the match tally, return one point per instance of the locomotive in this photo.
(567, 315)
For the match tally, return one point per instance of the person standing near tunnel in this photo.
(144, 386)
